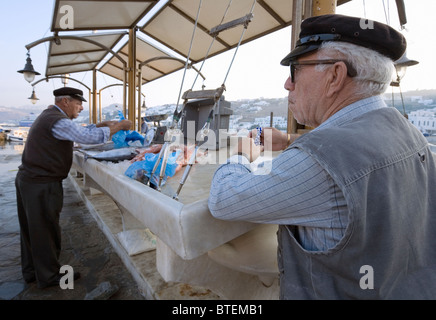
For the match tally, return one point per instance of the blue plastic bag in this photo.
(134, 136)
(121, 115)
(119, 139)
(125, 138)
(141, 169)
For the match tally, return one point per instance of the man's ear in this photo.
(337, 76)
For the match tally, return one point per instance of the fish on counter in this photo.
(141, 152)
(114, 155)
(108, 145)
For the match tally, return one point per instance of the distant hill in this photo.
(13, 115)
(247, 108)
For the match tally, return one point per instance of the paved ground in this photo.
(84, 247)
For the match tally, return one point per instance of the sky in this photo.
(255, 73)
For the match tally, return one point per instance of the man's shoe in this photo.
(30, 280)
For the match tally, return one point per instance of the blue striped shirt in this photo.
(297, 190)
(66, 129)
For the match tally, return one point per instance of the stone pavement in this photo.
(84, 247)
(90, 221)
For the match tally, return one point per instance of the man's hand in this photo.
(247, 147)
(121, 125)
(273, 139)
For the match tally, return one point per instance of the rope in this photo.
(211, 44)
(189, 54)
(239, 44)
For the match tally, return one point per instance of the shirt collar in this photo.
(61, 110)
(352, 111)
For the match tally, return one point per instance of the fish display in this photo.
(114, 155)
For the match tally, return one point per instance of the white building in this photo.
(266, 121)
(424, 120)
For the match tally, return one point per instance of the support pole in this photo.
(297, 16)
(99, 106)
(94, 96)
(139, 99)
(125, 91)
(131, 114)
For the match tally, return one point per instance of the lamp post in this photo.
(28, 71)
(33, 97)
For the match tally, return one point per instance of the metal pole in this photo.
(125, 92)
(139, 99)
(94, 96)
(132, 77)
(99, 106)
(297, 14)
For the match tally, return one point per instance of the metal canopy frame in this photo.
(169, 23)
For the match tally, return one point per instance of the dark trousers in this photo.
(39, 206)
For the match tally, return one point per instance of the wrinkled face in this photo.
(72, 107)
(306, 92)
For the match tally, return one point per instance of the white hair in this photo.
(59, 98)
(374, 70)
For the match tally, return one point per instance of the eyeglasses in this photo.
(293, 65)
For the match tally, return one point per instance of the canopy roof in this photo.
(168, 22)
(76, 55)
(157, 63)
(174, 24)
(101, 14)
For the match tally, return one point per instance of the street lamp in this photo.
(33, 97)
(28, 71)
(400, 69)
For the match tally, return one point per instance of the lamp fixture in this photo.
(33, 97)
(400, 69)
(65, 79)
(28, 71)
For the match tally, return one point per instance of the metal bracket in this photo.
(231, 24)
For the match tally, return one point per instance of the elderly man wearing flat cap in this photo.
(354, 198)
(46, 161)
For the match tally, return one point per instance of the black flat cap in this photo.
(72, 92)
(335, 27)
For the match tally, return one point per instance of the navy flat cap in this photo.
(72, 92)
(335, 27)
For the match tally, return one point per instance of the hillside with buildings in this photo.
(247, 113)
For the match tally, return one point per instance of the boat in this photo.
(28, 120)
(18, 135)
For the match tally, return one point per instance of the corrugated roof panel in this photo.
(154, 69)
(98, 14)
(70, 69)
(174, 24)
(64, 58)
